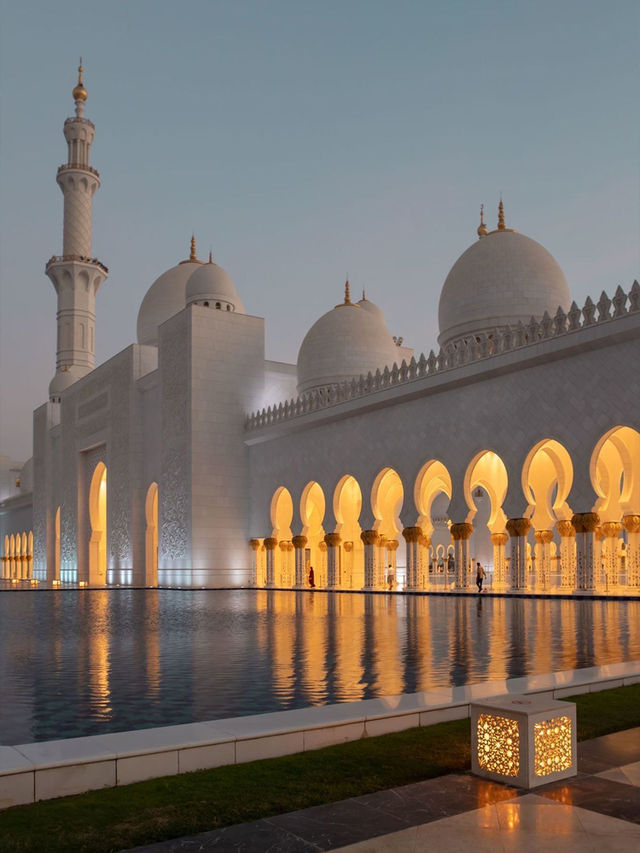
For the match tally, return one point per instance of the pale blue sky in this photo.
(303, 140)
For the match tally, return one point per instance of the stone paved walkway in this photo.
(598, 810)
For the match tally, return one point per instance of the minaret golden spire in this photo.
(193, 257)
(347, 292)
(364, 295)
(79, 92)
(482, 228)
(210, 256)
(501, 225)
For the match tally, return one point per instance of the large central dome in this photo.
(501, 280)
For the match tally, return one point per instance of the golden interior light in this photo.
(552, 746)
(498, 745)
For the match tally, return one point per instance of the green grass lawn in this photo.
(117, 818)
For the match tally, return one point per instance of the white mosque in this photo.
(190, 460)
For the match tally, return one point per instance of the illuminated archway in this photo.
(615, 475)
(151, 536)
(98, 522)
(281, 518)
(56, 547)
(547, 476)
(347, 505)
(485, 488)
(387, 497)
(432, 494)
(312, 510)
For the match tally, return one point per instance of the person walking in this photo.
(391, 578)
(480, 576)
(312, 578)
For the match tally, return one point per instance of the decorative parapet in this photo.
(55, 259)
(472, 349)
(66, 167)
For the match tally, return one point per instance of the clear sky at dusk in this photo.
(303, 140)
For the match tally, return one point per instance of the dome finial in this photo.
(192, 256)
(79, 92)
(482, 228)
(347, 292)
(364, 295)
(210, 256)
(501, 224)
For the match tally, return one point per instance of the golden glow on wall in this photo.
(499, 745)
(552, 746)
(347, 505)
(312, 509)
(281, 514)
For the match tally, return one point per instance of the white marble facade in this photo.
(188, 459)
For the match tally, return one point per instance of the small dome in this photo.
(79, 92)
(502, 279)
(345, 343)
(372, 308)
(212, 286)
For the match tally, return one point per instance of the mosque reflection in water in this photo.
(103, 660)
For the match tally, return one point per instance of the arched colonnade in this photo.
(550, 547)
(17, 556)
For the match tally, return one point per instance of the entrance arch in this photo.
(615, 475)
(281, 518)
(387, 497)
(56, 547)
(98, 521)
(312, 510)
(547, 476)
(347, 505)
(151, 536)
(485, 488)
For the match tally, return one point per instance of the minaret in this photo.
(76, 276)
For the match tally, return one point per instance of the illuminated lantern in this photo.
(523, 740)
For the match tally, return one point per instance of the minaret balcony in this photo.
(66, 167)
(57, 259)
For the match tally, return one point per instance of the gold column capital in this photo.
(611, 529)
(518, 526)
(566, 529)
(412, 534)
(299, 541)
(392, 544)
(270, 543)
(543, 537)
(322, 546)
(254, 544)
(425, 541)
(631, 523)
(499, 538)
(585, 522)
(461, 530)
(348, 547)
(369, 537)
(332, 539)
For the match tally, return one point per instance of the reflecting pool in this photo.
(93, 661)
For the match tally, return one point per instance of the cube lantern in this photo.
(523, 740)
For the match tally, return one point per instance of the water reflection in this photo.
(85, 662)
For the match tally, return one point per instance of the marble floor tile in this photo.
(257, 837)
(629, 774)
(600, 795)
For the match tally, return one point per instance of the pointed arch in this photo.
(433, 479)
(151, 535)
(547, 477)
(98, 522)
(347, 506)
(615, 473)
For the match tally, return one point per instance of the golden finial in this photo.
(482, 228)
(501, 225)
(364, 295)
(210, 256)
(79, 92)
(192, 259)
(347, 292)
